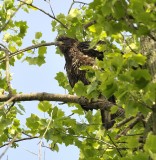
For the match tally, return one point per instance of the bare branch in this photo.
(48, 1)
(45, 13)
(71, 7)
(29, 48)
(131, 125)
(124, 121)
(8, 73)
(99, 104)
(19, 140)
(41, 141)
(118, 150)
(7, 102)
(89, 24)
(83, 3)
(8, 146)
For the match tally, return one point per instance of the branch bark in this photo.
(148, 48)
(99, 104)
(28, 48)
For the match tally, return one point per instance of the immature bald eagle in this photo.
(78, 54)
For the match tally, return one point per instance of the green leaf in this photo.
(80, 89)
(67, 140)
(131, 108)
(139, 58)
(141, 77)
(63, 81)
(8, 4)
(53, 23)
(89, 116)
(150, 144)
(108, 87)
(57, 113)
(44, 106)
(36, 60)
(33, 122)
(114, 109)
(54, 147)
(22, 27)
(21, 107)
(38, 35)
(92, 87)
(42, 50)
(132, 142)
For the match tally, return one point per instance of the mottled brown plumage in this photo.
(79, 54)
(76, 54)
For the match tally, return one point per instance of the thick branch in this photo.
(99, 104)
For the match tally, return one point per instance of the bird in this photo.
(79, 54)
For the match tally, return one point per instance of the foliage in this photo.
(123, 73)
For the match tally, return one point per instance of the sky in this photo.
(29, 79)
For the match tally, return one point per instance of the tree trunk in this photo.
(148, 48)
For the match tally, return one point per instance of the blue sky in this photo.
(28, 79)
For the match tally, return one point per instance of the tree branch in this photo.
(19, 140)
(45, 13)
(118, 150)
(130, 126)
(8, 73)
(8, 146)
(50, 7)
(83, 3)
(99, 104)
(29, 48)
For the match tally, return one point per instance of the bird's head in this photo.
(64, 43)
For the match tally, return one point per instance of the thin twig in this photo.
(74, 3)
(124, 121)
(19, 140)
(3, 47)
(8, 146)
(51, 7)
(13, 103)
(8, 73)
(89, 24)
(27, 135)
(124, 132)
(115, 145)
(29, 48)
(7, 102)
(30, 151)
(41, 141)
(128, 44)
(45, 13)
(81, 2)
(91, 138)
(71, 7)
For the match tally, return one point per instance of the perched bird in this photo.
(79, 54)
